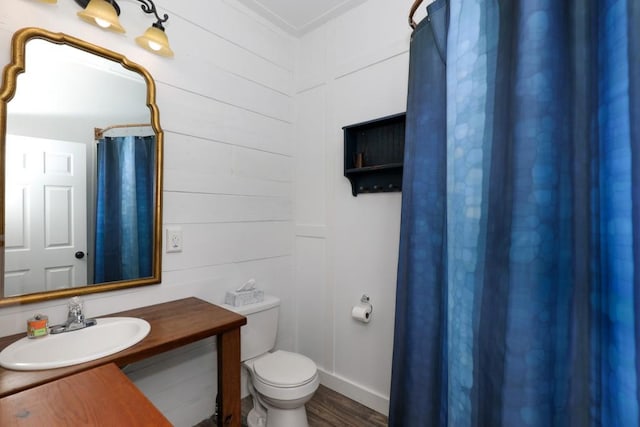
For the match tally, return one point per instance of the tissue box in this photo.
(238, 298)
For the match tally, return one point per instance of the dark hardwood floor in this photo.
(327, 408)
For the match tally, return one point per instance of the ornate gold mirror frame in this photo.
(7, 92)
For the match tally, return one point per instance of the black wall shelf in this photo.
(374, 154)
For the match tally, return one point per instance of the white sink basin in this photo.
(110, 335)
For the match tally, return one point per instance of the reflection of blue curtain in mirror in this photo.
(124, 208)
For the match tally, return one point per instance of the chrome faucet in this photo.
(75, 318)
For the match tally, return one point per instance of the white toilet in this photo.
(280, 382)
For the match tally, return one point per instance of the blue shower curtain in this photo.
(517, 295)
(124, 208)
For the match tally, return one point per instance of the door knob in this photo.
(79, 255)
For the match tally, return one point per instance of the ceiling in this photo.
(300, 16)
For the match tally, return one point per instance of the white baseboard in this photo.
(360, 394)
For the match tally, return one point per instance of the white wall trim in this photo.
(357, 392)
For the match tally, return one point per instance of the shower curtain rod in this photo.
(416, 4)
(99, 133)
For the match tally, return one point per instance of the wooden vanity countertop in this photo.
(101, 396)
(173, 324)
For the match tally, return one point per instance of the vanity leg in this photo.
(229, 378)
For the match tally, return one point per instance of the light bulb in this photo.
(155, 46)
(102, 23)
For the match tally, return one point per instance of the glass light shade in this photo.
(155, 40)
(102, 14)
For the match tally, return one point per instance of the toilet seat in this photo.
(284, 369)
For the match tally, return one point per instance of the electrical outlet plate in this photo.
(174, 240)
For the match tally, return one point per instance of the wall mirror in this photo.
(81, 162)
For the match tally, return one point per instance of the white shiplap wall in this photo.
(350, 70)
(226, 106)
(253, 175)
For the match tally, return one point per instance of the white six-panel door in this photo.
(45, 215)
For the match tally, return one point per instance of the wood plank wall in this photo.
(252, 120)
(226, 107)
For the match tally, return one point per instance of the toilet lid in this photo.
(284, 369)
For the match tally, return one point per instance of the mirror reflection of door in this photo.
(45, 215)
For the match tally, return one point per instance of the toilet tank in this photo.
(258, 336)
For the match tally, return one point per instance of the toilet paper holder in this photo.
(362, 311)
(366, 300)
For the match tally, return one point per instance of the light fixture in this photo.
(155, 40)
(104, 13)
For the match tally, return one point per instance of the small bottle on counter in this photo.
(38, 326)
